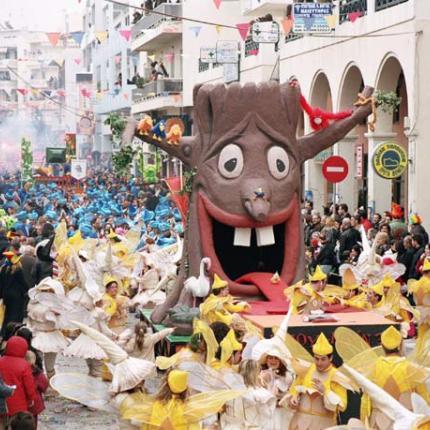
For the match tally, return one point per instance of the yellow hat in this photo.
(378, 288)
(107, 279)
(391, 338)
(348, 280)
(388, 281)
(218, 283)
(229, 345)
(318, 275)
(426, 265)
(322, 346)
(178, 381)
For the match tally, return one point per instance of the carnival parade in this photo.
(185, 246)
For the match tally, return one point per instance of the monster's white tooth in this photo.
(242, 237)
(265, 236)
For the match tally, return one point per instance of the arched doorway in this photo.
(390, 127)
(353, 190)
(315, 184)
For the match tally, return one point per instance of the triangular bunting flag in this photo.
(22, 91)
(53, 38)
(309, 22)
(77, 36)
(35, 91)
(101, 36)
(196, 30)
(61, 93)
(287, 25)
(117, 59)
(126, 34)
(243, 29)
(217, 3)
(125, 96)
(85, 93)
(169, 57)
(331, 21)
(218, 28)
(77, 60)
(353, 16)
(59, 61)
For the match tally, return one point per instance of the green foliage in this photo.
(188, 177)
(122, 160)
(26, 160)
(117, 124)
(389, 102)
(141, 82)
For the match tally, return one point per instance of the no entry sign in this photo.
(335, 169)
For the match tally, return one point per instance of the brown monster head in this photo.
(244, 211)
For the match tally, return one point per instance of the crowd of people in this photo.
(75, 266)
(335, 238)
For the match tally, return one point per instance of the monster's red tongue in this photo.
(272, 292)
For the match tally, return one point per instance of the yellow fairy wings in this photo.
(176, 413)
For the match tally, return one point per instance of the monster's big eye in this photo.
(230, 162)
(279, 163)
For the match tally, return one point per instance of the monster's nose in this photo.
(259, 193)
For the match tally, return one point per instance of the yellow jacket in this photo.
(335, 395)
(216, 308)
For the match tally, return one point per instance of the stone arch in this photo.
(320, 93)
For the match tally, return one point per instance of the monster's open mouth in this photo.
(240, 247)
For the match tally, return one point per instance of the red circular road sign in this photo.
(335, 169)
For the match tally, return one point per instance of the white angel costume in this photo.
(45, 323)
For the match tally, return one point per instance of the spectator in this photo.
(385, 228)
(343, 211)
(363, 220)
(406, 255)
(44, 264)
(4, 243)
(41, 382)
(316, 225)
(348, 238)
(376, 220)
(354, 255)
(325, 256)
(22, 421)
(418, 246)
(382, 243)
(331, 231)
(17, 372)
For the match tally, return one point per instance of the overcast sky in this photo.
(44, 15)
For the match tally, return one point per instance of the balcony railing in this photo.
(153, 20)
(385, 4)
(203, 66)
(159, 88)
(351, 6)
(293, 36)
(251, 47)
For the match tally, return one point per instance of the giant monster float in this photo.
(244, 209)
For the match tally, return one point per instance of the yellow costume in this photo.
(315, 410)
(216, 308)
(398, 376)
(303, 297)
(421, 293)
(349, 283)
(177, 413)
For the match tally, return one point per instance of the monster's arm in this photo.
(183, 151)
(311, 144)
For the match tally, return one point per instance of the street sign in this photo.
(227, 51)
(208, 54)
(389, 160)
(359, 161)
(312, 17)
(335, 169)
(231, 72)
(265, 32)
(78, 169)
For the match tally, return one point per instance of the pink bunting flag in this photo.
(126, 34)
(53, 38)
(22, 91)
(85, 93)
(243, 29)
(353, 16)
(287, 25)
(77, 60)
(217, 3)
(169, 57)
(117, 59)
(61, 93)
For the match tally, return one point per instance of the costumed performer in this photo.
(115, 305)
(220, 305)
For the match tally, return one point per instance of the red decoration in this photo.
(181, 199)
(353, 16)
(243, 29)
(319, 118)
(85, 93)
(217, 3)
(396, 211)
(287, 25)
(23, 91)
(53, 38)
